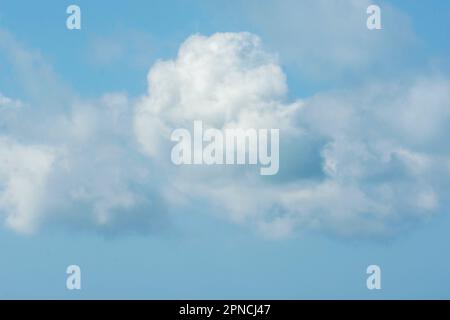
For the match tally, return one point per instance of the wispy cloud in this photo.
(327, 39)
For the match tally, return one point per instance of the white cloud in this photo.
(378, 174)
(23, 177)
(6, 102)
(224, 80)
(364, 162)
(101, 172)
(70, 161)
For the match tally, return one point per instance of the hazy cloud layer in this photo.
(328, 39)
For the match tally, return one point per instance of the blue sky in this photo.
(85, 177)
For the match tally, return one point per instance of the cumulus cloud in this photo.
(377, 172)
(367, 162)
(226, 80)
(83, 173)
(69, 161)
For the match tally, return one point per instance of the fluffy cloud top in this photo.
(365, 162)
(226, 80)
